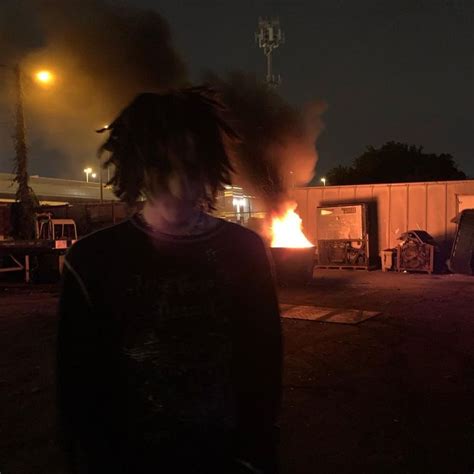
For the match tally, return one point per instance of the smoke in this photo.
(277, 150)
(18, 29)
(101, 53)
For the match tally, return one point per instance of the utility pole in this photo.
(269, 37)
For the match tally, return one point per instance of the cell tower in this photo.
(269, 37)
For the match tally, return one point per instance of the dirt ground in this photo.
(394, 394)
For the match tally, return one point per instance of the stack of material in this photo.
(462, 253)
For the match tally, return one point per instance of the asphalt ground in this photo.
(393, 394)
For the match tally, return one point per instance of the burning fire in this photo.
(287, 230)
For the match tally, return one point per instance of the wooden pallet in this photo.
(345, 267)
(411, 270)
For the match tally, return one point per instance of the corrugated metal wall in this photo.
(399, 207)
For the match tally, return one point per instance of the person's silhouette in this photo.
(169, 348)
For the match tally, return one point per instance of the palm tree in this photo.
(27, 202)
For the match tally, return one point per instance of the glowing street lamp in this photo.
(88, 171)
(323, 180)
(44, 76)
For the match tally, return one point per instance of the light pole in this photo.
(323, 180)
(101, 183)
(101, 168)
(88, 171)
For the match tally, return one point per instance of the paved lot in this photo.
(394, 394)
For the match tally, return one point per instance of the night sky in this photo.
(388, 70)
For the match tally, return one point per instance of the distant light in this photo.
(88, 170)
(45, 77)
(238, 203)
(323, 180)
(93, 175)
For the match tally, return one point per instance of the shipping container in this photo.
(430, 206)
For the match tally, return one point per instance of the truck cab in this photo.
(62, 231)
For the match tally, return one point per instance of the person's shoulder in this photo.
(244, 236)
(98, 243)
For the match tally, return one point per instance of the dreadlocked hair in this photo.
(152, 136)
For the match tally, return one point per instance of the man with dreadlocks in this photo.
(169, 348)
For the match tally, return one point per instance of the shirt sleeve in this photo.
(81, 379)
(259, 362)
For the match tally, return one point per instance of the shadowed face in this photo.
(184, 186)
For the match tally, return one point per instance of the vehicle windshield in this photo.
(64, 231)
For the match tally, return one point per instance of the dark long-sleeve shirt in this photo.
(169, 350)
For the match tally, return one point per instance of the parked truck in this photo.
(41, 257)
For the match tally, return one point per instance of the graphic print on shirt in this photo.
(178, 350)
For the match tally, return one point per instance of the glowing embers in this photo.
(286, 230)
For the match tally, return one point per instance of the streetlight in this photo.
(88, 171)
(323, 180)
(44, 77)
(101, 181)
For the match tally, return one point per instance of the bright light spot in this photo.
(93, 175)
(88, 170)
(45, 77)
(239, 203)
(287, 230)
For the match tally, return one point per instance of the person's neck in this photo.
(172, 219)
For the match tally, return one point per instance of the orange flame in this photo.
(287, 230)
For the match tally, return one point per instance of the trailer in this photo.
(53, 239)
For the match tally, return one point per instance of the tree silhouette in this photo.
(26, 200)
(396, 163)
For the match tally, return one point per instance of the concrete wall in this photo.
(400, 207)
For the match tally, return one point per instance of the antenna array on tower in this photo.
(269, 37)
